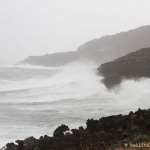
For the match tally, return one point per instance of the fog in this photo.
(38, 27)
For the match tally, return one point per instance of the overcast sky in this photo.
(36, 27)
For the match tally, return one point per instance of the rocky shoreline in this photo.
(107, 133)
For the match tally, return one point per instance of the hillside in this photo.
(99, 50)
(131, 66)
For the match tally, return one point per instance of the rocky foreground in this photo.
(134, 65)
(112, 132)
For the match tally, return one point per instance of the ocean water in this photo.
(34, 100)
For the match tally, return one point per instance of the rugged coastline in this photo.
(101, 50)
(112, 132)
(134, 65)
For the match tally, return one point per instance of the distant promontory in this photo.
(99, 50)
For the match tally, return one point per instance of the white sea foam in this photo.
(27, 66)
(40, 101)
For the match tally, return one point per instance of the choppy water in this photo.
(35, 100)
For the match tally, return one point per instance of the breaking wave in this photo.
(35, 100)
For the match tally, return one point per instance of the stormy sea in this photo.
(34, 100)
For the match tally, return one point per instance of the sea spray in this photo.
(34, 101)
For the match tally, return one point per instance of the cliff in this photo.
(107, 133)
(134, 65)
(99, 50)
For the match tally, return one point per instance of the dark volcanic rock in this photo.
(59, 132)
(134, 65)
(103, 134)
(20, 144)
(11, 146)
(99, 50)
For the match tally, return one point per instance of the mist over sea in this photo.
(34, 100)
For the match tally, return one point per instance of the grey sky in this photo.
(36, 27)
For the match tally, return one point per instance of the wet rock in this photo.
(59, 132)
(11, 146)
(20, 144)
(31, 143)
